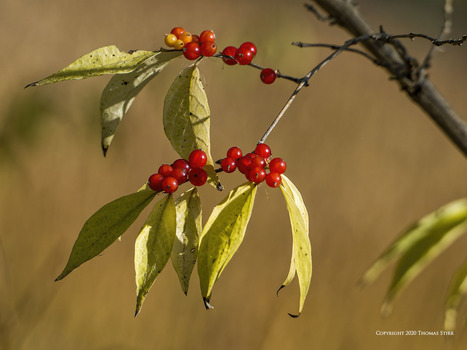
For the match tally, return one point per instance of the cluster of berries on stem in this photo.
(193, 46)
(169, 177)
(255, 165)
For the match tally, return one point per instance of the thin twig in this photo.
(304, 82)
(422, 93)
(257, 66)
(445, 29)
(318, 15)
(335, 47)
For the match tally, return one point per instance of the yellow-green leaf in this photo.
(105, 226)
(418, 246)
(189, 226)
(186, 118)
(301, 249)
(122, 89)
(223, 234)
(105, 60)
(153, 246)
(457, 291)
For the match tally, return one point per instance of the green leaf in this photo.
(301, 250)
(105, 60)
(105, 226)
(189, 226)
(122, 89)
(153, 246)
(186, 118)
(457, 291)
(418, 246)
(223, 234)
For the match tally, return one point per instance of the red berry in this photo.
(207, 35)
(192, 51)
(177, 31)
(251, 155)
(234, 152)
(263, 150)
(273, 179)
(208, 48)
(258, 161)
(155, 182)
(249, 46)
(243, 56)
(180, 174)
(169, 184)
(229, 165)
(197, 176)
(277, 165)
(229, 51)
(165, 170)
(257, 175)
(181, 163)
(243, 164)
(198, 159)
(195, 38)
(267, 76)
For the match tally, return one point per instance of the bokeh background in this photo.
(367, 161)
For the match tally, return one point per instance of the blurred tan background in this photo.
(367, 161)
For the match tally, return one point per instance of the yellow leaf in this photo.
(301, 250)
(186, 118)
(223, 234)
(153, 246)
(189, 226)
(105, 60)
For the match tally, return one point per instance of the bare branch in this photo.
(422, 92)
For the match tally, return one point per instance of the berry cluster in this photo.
(254, 165)
(193, 46)
(169, 177)
(243, 55)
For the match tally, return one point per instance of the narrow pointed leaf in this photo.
(457, 291)
(433, 224)
(189, 226)
(186, 118)
(418, 257)
(105, 60)
(223, 234)
(122, 89)
(301, 250)
(105, 226)
(153, 246)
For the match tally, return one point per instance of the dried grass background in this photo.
(367, 161)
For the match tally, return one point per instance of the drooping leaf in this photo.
(186, 118)
(105, 60)
(105, 226)
(189, 226)
(457, 291)
(122, 89)
(223, 234)
(418, 246)
(153, 246)
(301, 249)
